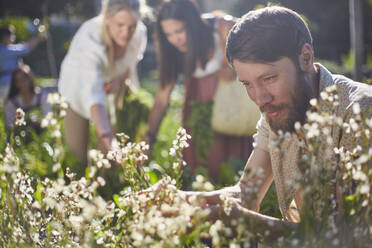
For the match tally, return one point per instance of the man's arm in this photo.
(259, 225)
(248, 192)
(251, 188)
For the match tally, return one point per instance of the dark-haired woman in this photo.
(25, 95)
(193, 46)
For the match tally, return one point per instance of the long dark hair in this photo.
(25, 69)
(200, 41)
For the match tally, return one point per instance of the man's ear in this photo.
(306, 58)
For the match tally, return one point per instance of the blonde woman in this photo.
(103, 54)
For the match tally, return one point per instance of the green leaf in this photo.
(153, 177)
(227, 174)
(350, 198)
(115, 197)
(38, 195)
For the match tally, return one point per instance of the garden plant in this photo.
(63, 209)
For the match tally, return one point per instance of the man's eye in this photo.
(246, 84)
(270, 79)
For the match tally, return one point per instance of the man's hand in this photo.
(158, 187)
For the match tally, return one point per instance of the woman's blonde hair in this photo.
(109, 8)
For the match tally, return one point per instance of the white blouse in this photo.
(85, 67)
(215, 63)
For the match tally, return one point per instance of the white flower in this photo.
(297, 125)
(100, 241)
(172, 152)
(101, 181)
(356, 108)
(359, 175)
(19, 117)
(56, 167)
(323, 95)
(313, 102)
(364, 189)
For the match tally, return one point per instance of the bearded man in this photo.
(272, 53)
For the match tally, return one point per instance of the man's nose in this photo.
(262, 97)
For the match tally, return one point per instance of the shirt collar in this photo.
(325, 79)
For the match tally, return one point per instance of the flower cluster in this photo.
(336, 180)
(68, 212)
(19, 117)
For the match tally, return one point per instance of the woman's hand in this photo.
(105, 140)
(112, 87)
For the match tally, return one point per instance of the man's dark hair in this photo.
(266, 35)
(5, 32)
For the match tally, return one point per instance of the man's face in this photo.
(278, 88)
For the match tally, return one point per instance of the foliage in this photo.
(348, 61)
(68, 212)
(201, 129)
(61, 210)
(230, 173)
(335, 177)
(133, 102)
(20, 25)
(34, 9)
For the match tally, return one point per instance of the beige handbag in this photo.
(234, 113)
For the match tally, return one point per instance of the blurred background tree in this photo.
(328, 21)
(33, 8)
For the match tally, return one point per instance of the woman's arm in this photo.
(102, 125)
(158, 111)
(10, 110)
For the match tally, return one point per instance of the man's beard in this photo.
(299, 104)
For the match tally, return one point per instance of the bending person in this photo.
(271, 50)
(103, 54)
(26, 95)
(193, 46)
